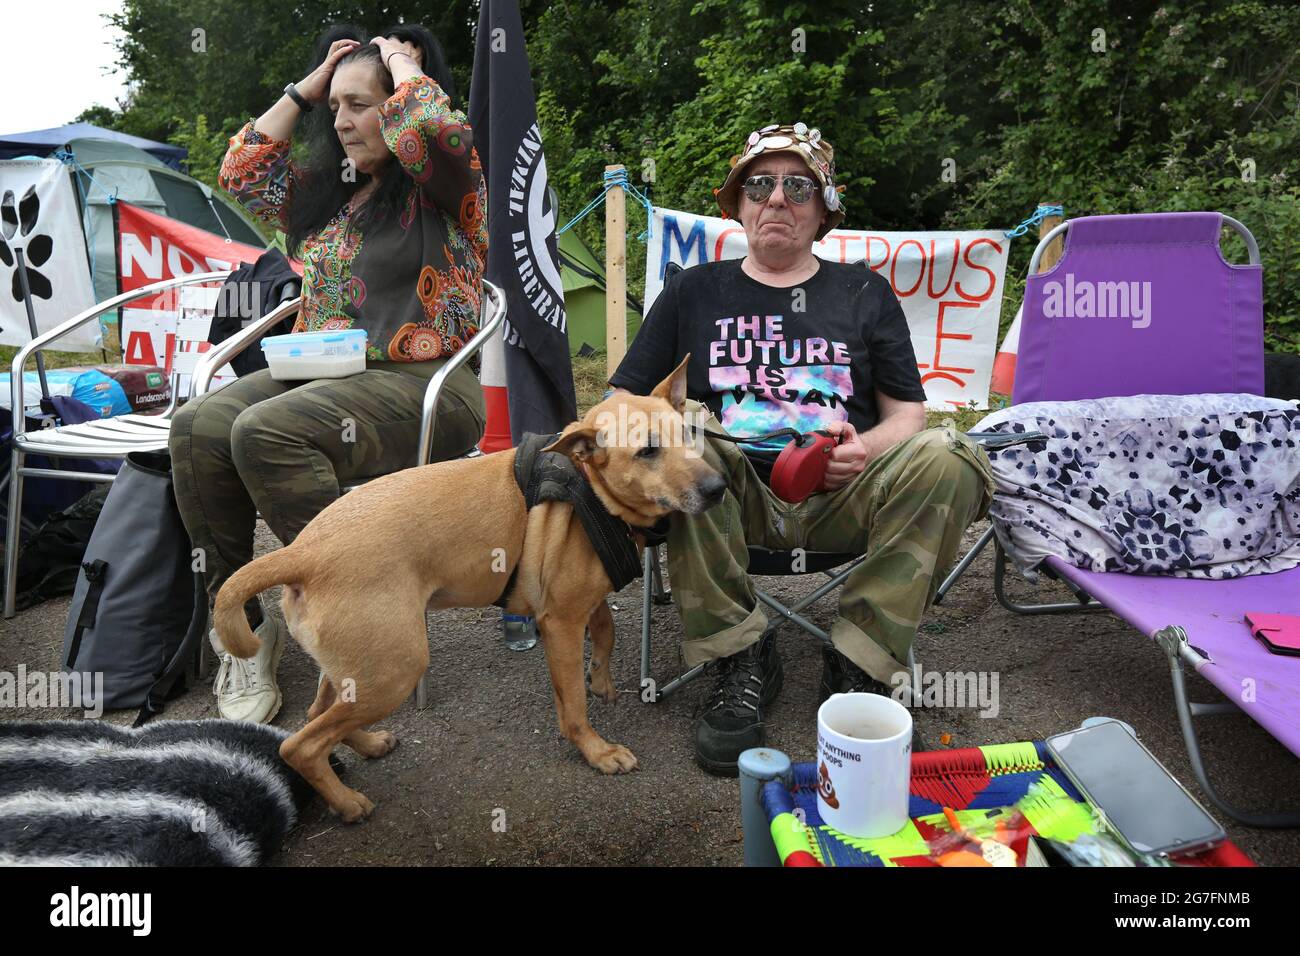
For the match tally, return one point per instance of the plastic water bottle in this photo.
(519, 632)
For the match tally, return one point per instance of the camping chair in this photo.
(494, 305)
(1208, 337)
(105, 438)
(835, 566)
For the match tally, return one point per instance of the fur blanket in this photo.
(171, 793)
(1198, 486)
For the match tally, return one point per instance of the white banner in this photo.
(38, 214)
(950, 285)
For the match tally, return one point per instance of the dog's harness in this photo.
(550, 476)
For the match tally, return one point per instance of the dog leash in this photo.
(803, 439)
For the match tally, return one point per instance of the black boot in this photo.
(732, 720)
(841, 676)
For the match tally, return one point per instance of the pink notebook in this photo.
(1279, 632)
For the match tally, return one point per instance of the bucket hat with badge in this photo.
(803, 142)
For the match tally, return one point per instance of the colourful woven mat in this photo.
(971, 781)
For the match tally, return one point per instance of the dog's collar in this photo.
(549, 476)
(606, 494)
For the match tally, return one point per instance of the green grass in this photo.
(589, 381)
(53, 358)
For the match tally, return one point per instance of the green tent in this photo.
(584, 296)
(133, 175)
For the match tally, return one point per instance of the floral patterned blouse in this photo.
(414, 283)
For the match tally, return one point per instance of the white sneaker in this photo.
(245, 686)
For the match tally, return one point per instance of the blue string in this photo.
(70, 160)
(1041, 213)
(612, 178)
(618, 177)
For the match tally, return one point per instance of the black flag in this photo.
(523, 258)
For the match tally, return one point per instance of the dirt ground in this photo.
(486, 750)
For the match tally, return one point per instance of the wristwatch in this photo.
(292, 92)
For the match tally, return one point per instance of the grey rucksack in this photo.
(139, 610)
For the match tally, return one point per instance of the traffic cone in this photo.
(492, 376)
(518, 632)
(1004, 364)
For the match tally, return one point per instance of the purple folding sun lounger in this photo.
(1201, 331)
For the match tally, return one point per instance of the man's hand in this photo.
(848, 458)
(898, 421)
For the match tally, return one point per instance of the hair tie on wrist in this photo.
(390, 56)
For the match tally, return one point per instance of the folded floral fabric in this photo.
(1198, 486)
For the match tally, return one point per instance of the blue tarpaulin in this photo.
(43, 142)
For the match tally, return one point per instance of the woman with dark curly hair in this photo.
(387, 214)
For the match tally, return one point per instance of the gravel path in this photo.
(482, 775)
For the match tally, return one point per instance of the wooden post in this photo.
(615, 275)
(1052, 254)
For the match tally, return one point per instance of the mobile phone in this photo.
(1142, 801)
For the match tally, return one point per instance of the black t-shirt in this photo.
(764, 358)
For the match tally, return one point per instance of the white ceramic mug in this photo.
(864, 764)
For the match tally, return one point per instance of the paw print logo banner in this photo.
(38, 216)
(949, 284)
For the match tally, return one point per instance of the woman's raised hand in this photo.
(317, 84)
(389, 46)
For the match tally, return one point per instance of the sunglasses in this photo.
(798, 189)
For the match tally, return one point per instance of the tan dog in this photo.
(360, 576)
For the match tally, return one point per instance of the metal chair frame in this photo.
(212, 360)
(117, 437)
(654, 592)
(107, 438)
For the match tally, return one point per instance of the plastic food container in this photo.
(308, 355)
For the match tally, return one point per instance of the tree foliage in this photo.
(1101, 105)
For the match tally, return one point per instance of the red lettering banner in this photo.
(170, 328)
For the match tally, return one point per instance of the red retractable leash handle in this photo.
(800, 469)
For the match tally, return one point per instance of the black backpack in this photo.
(50, 561)
(250, 292)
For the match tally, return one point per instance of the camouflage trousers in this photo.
(284, 448)
(906, 512)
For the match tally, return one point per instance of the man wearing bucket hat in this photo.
(783, 339)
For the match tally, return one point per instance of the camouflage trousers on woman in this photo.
(284, 449)
(906, 512)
